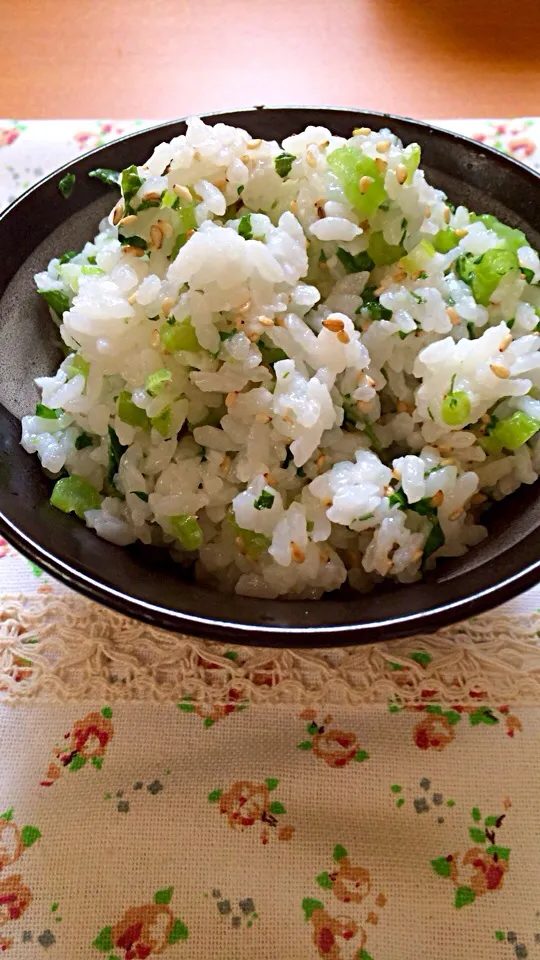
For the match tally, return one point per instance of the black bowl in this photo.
(143, 582)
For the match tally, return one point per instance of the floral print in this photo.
(15, 898)
(246, 803)
(144, 931)
(333, 746)
(436, 729)
(87, 741)
(210, 715)
(482, 868)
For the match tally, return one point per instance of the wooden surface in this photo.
(164, 58)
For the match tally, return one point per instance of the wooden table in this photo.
(163, 58)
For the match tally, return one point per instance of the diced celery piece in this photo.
(383, 253)
(419, 257)
(445, 240)
(187, 531)
(75, 495)
(484, 273)
(158, 381)
(163, 422)
(455, 408)
(130, 413)
(88, 270)
(515, 430)
(490, 445)
(349, 166)
(179, 335)
(513, 239)
(168, 199)
(254, 543)
(187, 218)
(411, 160)
(79, 365)
(57, 301)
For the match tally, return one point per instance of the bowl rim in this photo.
(274, 634)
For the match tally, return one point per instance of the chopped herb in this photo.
(300, 472)
(322, 257)
(141, 495)
(287, 460)
(370, 302)
(157, 382)
(47, 413)
(79, 365)
(510, 323)
(470, 330)
(110, 177)
(264, 501)
(355, 263)
(134, 242)
(371, 435)
(423, 276)
(435, 539)
(451, 205)
(240, 189)
(66, 257)
(66, 185)
(163, 422)
(147, 204)
(452, 382)
(226, 334)
(57, 301)
(130, 184)
(404, 225)
(398, 497)
(283, 163)
(116, 451)
(418, 297)
(92, 261)
(528, 274)
(367, 516)
(270, 354)
(83, 440)
(244, 227)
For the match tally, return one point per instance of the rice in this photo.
(291, 365)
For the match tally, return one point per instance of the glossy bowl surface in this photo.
(142, 582)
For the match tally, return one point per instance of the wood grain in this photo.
(165, 58)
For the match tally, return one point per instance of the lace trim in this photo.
(68, 648)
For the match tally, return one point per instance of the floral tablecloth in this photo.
(161, 795)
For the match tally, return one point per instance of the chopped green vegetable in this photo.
(253, 543)
(66, 257)
(264, 501)
(130, 184)
(418, 297)
(411, 160)
(244, 227)
(445, 240)
(141, 495)
(83, 440)
(187, 531)
(89, 270)
(456, 407)
(283, 164)
(515, 430)
(383, 253)
(158, 381)
(147, 204)
(513, 239)
(372, 436)
(187, 223)
(226, 334)
(418, 257)
(169, 199)
(350, 167)
(134, 241)
(116, 451)
(47, 413)
(75, 495)
(484, 273)
(354, 263)
(179, 335)
(57, 301)
(398, 498)
(110, 177)
(130, 413)
(528, 274)
(163, 422)
(240, 189)
(79, 365)
(373, 306)
(270, 354)
(66, 185)
(434, 541)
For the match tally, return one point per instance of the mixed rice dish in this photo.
(291, 365)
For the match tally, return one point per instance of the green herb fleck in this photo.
(66, 185)
(110, 177)
(264, 501)
(283, 163)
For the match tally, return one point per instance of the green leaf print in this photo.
(452, 716)
(8, 815)
(309, 906)
(164, 896)
(361, 755)
(324, 881)
(179, 931)
(305, 745)
(441, 866)
(477, 835)
(276, 807)
(214, 796)
(464, 895)
(106, 712)
(271, 783)
(104, 940)
(29, 835)
(97, 762)
(186, 707)
(502, 852)
(475, 813)
(77, 763)
(339, 852)
(364, 955)
(482, 715)
(421, 656)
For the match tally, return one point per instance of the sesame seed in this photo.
(370, 381)
(293, 206)
(446, 214)
(445, 450)
(154, 338)
(152, 195)
(461, 232)
(320, 460)
(165, 227)
(343, 336)
(326, 502)
(401, 173)
(403, 407)
(253, 144)
(417, 555)
(225, 463)
(363, 131)
(456, 514)
(166, 306)
(230, 398)
(383, 146)
(334, 324)
(396, 474)
(220, 184)
(505, 342)
(310, 159)
(266, 321)
(132, 298)
(156, 236)
(364, 183)
(297, 553)
(117, 213)
(437, 498)
(125, 221)
(477, 499)
(381, 164)
(262, 418)
(399, 275)
(453, 316)
(132, 251)
(183, 192)
(427, 212)
(500, 370)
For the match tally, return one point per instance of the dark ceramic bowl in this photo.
(141, 581)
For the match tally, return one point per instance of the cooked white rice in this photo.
(303, 363)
